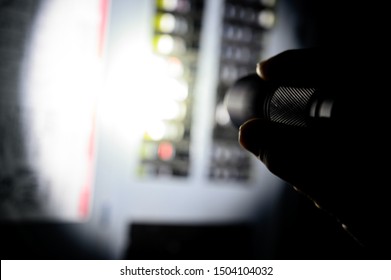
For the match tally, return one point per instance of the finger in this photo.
(290, 153)
(257, 135)
(311, 65)
(305, 158)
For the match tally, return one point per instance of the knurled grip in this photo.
(289, 105)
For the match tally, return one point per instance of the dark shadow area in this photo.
(296, 230)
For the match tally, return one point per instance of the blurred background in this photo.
(115, 142)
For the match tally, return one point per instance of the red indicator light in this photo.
(166, 151)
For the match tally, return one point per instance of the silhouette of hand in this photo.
(340, 167)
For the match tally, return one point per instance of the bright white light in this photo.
(166, 23)
(173, 89)
(156, 130)
(266, 18)
(222, 115)
(141, 94)
(166, 109)
(169, 5)
(165, 44)
(175, 67)
(62, 83)
(174, 131)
